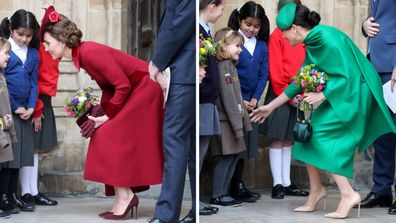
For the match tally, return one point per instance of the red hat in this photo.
(50, 16)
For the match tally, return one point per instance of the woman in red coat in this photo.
(125, 150)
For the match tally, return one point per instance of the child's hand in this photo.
(20, 111)
(37, 123)
(27, 114)
(202, 73)
(247, 105)
(253, 103)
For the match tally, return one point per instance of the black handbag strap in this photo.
(298, 112)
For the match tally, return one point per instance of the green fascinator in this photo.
(286, 16)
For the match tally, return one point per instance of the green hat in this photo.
(286, 16)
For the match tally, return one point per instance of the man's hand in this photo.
(393, 80)
(371, 27)
(154, 71)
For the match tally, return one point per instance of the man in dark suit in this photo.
(176, 50)
(380, 28)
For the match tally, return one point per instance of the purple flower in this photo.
(74, 101)
(87, 95)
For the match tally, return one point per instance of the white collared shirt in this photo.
(250, 43)
(21, 52)
(205, 26)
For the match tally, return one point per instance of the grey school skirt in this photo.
(209, 122)
(46, 140)
(279, 125)
(23, 148)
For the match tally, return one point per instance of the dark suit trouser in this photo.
(384, 159)
(179, 151)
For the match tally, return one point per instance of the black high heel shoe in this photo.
(134, 203)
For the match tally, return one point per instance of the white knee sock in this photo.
(275, 156)
(286, 160)
(34, 176)
(24, 179)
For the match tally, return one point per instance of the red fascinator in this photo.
(50, 16)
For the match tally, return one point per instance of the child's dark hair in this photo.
(21, 19)
(204, 3)
(306, 18)
(225, 36)
(254, 10)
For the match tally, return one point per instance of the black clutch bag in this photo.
(302, 131)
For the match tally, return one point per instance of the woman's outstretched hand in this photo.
(100, 120)
(260, 114)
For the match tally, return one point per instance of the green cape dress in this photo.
(354, 114)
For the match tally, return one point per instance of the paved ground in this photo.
(83, 210)
(267, 210)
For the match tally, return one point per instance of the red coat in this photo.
(126, 150)
(48, 75)
(285, 61)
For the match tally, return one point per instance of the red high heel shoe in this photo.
(105, 213)
(134, 203)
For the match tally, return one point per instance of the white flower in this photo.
(82, 98)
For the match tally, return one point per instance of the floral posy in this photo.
(81, 102)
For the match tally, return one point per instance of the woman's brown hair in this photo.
(65, 31)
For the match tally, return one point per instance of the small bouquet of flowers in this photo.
(81, 102)
(206, 48)
(310, 80)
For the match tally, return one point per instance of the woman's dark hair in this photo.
(254, 10)
(64, 31)
(204, 3)
(281, 3)
(21, 19)
(306, 18)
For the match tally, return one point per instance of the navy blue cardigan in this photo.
(253, 71)
(209, 88)
(22, 79)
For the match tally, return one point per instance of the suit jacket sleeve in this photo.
(106, 67)
(176, 35)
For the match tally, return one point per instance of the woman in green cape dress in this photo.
(351, 112)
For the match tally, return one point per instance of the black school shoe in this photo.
(278, 192)
(28, 207)
(239, 192)
(223, 201)
(293, 190)
(4, 214)
(41, 199)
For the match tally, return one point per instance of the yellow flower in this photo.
(207, 42)
(202, 51)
